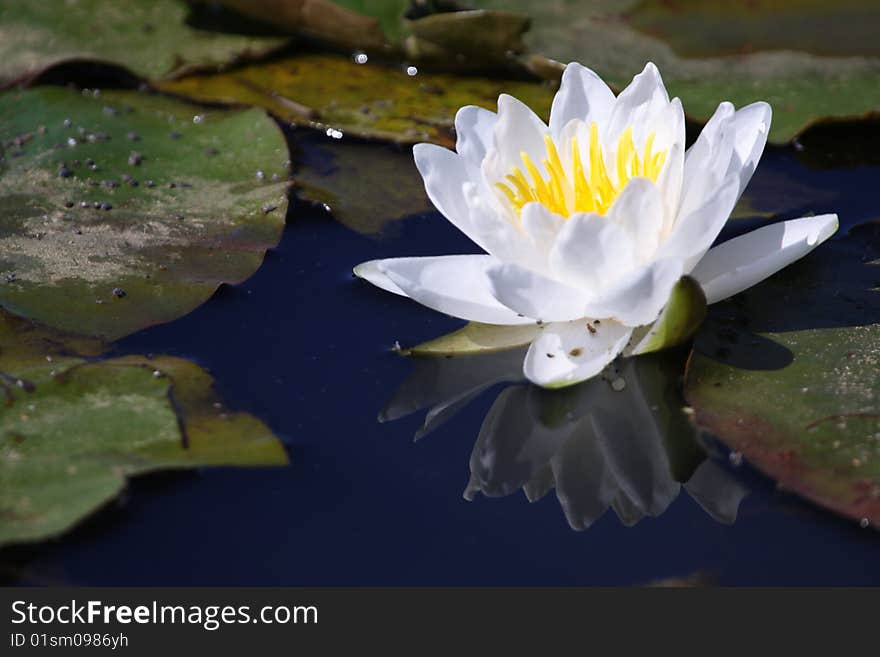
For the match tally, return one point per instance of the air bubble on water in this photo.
(735, 458)
(618, 384)
(360, 57)
(864, 523)
(333, 132)
(412, 71)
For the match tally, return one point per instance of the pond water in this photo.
(307, 348)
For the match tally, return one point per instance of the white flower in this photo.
(595, 217)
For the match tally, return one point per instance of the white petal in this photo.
(731, 143)
(742, 262)
(751, 126)
(473, 128)
(707, 161)
(566, 353)
(517, 129)
(638, 297)
(371, 271)
(637, 105)
(455, 285)
(582, 95)
(639, 211)
(694, 233)
(542, 227)
(591, 252)
(536, 296)
(445, 175)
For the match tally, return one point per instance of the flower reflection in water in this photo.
(620, 440)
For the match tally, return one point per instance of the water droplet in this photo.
(735, 458)
(864, 523)
(71, 141)
(198, 118)
(334, 133)
(618, 384)
(412, 71)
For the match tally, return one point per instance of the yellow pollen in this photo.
(579, 190)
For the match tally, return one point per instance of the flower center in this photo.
(581, 191)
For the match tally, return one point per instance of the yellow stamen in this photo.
(580, 191)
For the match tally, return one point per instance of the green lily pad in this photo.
(704, 51)
(786, 374)
(151, 38)
(337, 95)
(73, 427)
(181, 207)
(680, 319)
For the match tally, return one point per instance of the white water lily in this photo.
(589, 222)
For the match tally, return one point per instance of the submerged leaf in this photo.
(151, 38)
(128, 209)
(74, 428)
(790, 380)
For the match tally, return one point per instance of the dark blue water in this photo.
(306, 347)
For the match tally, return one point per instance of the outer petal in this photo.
(372, 271)
(473, 128)
(731, 143)
(742, 262)
(567, 352)
(445, 175)
(694, 233)
(455, 285)
(638, 297)
(751, 127)
(536, 296)
(582, 95)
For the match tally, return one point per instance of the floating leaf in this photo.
(335, 94)
(475, 338)
(74, 429)
(788, 376)
(680, 319)
(151, 38)
(345, 23)
(365, 185)
(824, 60)
(125, 210)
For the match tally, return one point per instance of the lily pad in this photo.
(127, 209)
(475, 338)
(345, 23)
(804, 83)
(151, 38)
(786, 374)
(74, 427)
(339, 96)
(446, 35)
(365, 185)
